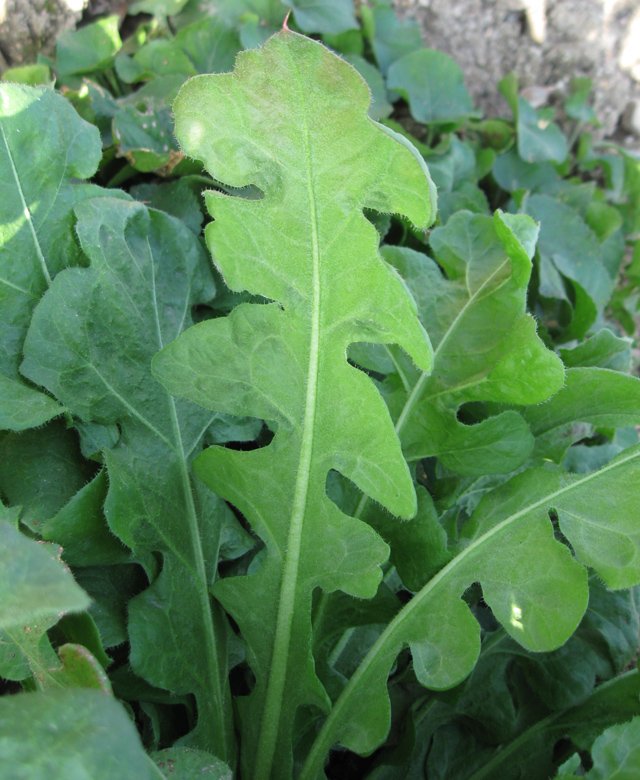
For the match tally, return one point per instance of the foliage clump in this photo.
(344, 484)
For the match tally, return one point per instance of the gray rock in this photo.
(28, 27)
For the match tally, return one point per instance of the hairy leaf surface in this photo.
(292, 120)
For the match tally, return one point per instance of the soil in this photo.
(599, 39)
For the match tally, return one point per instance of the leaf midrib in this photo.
(25, 210)
(271, 715)
(214, 667)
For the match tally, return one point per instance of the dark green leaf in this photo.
(91, 48)
(330, 16)
(74, 733)
(147, 270)
(433, 84)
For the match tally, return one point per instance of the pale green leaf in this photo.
(291, 120)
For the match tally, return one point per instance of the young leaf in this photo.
(533, 585)
(292, 121)
(91, 342)
(433, 85)
(486, 346)
(43, 144)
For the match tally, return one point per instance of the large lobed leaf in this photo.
(291, 120)
(533, 584)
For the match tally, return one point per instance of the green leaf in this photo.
(33, 75)
(91, 342)
(602, 350)
(175, 198)
(616, 753)
(145, 137)
(530, 754)
(307, 246)
(330, 16)
(433, 85)
(110, 588)
(33, 584)
(73, 733)
(36, 589)
(23, 407)
(512, 173)
(88, 49)
(539, 139)
(390, 37)
(157, 58)
(478, 312)
(41, 470)
(597, 396)
(380, 107)
(569, 247)
(189, 764)
(531, 582)
(43, 146)
(210, 45)
(80, 527)
(159, 8)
